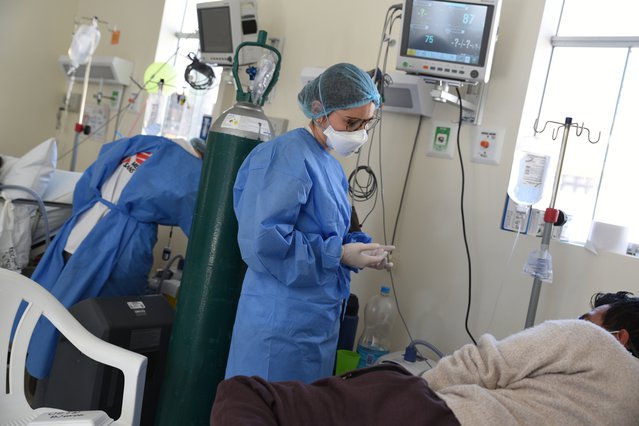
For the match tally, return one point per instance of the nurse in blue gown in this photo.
(116, 256)
(292, 207)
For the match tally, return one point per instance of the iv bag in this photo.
(154, 114)
(265, 69)
(528, 177)
(84, 42)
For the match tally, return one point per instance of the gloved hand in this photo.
(385, 263)
(362, 255)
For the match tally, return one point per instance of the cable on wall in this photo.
(463, 176)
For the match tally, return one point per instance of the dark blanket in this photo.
(380, 395)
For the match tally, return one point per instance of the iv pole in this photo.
(551, 216)
(79, 126)
(83, 45)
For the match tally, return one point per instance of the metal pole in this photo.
(562, 154)
(74, 153)
(117, 116)
(547, 235)
(79, 126)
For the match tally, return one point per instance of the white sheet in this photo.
(21, 224)
(60, 190)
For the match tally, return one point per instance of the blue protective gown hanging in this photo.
(291, 202)
(115, 258)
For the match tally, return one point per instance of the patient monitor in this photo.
(449, 39)
(222, 26)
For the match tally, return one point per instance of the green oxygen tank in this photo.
(213, 270)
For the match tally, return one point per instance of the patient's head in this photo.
(599, 299)
(619, 314)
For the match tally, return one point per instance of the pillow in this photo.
(33, 170)
(7, 164)
(61, 186)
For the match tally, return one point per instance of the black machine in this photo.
(141, 324)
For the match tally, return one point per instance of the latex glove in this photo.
(385, 263)
(362, 255)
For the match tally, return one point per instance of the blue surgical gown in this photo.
(115, 258)
(291, 203)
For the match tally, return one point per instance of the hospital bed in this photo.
(35, 201)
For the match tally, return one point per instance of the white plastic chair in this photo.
(14, 408)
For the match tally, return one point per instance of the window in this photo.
(593, 77)
(184, 109)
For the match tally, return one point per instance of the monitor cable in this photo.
(399, 211)
(463, 183)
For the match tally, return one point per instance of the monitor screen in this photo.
(448, 39)
(215, 29)
(223, 25)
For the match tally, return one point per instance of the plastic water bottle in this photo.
(379, 315)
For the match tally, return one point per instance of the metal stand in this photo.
(551, 216)
(79, 126)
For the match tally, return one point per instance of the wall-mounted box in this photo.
(108, 69)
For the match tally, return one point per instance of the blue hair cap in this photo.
(341, 86)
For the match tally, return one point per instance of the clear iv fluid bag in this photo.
(84, 42)
(527, 178)
(265, 69)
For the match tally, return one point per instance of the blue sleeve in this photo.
(82, 192)
(357, 237)
(268, 207)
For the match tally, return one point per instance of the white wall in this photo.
(35, 33)
(431, 272)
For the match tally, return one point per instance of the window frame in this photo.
(539, 80)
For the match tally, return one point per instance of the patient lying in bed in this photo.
(566, 372)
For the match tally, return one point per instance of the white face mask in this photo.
(345, 143)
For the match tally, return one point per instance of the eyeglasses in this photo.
(354, 124)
